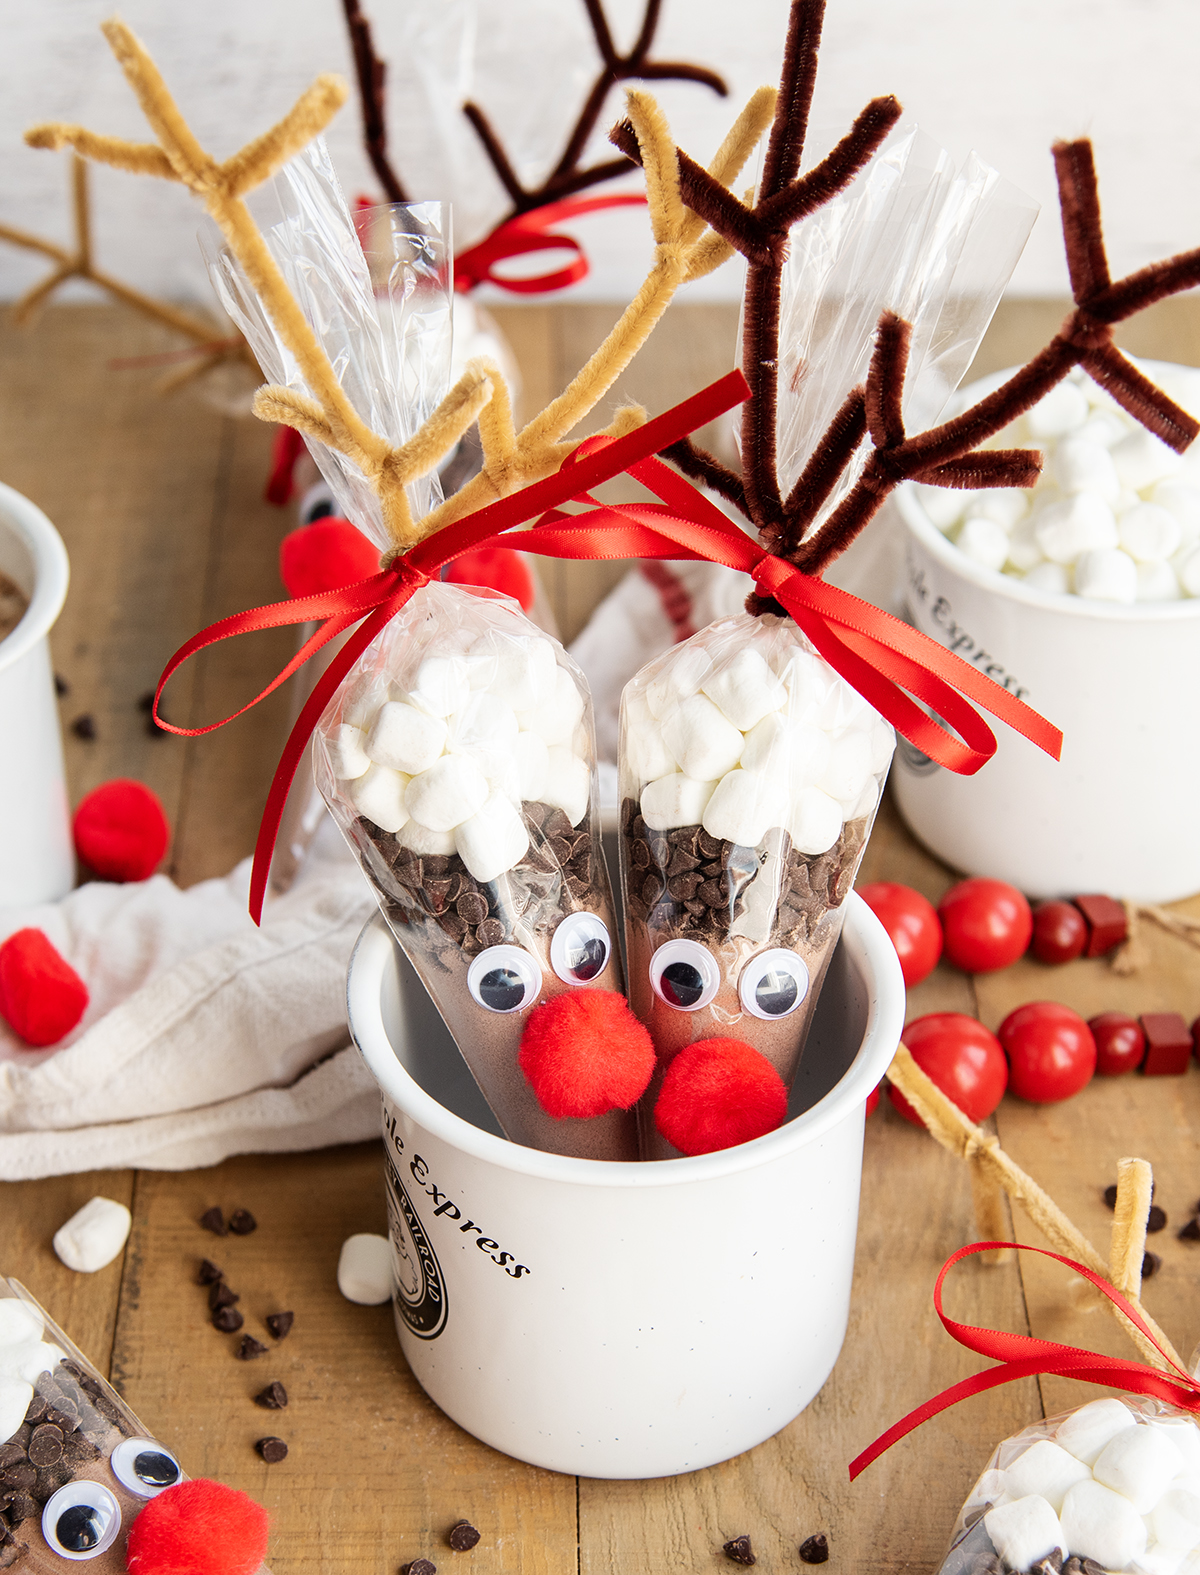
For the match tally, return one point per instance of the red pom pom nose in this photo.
(41, 995)
(585, 1053)
(324, 556)
(496, 569)
(121, 831)
(718, 1093)
(198, 1528)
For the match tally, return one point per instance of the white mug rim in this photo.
(51, 573)
(868, 944)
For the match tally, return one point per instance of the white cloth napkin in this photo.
(204, 1036)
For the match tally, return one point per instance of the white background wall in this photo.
(1002, 76)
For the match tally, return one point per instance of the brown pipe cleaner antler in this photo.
(948, 455)
(372, 75)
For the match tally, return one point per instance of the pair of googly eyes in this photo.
(81, 1520)
(507, 978)
(684, 975)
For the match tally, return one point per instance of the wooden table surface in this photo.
(159, 504)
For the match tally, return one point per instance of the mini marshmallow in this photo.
(1182, 501)
(1080, 466)
(423, 842)
(983, 541)
(849, 766)
(1049, 577)
(364, 1272)
(883, 744)
(568, 782)
(442, 685)
(745, 689)
(1024, 1531)
(493, 840)
(519, 669)
(1024, 553)
(93, 1236)
(451, 791)
(768, 745)
(810, 750)
(404, 738)
(1048, 1469)
(484, 725)
(855, 809)
(1104, 427)
(1157, 582)
(1102, 1525)
(348, 756)
(532, 763)
(646, 756)
(1004, 505)
(380, 796)
(1086, 1432)
(744, 806)
(1185, 1435)
(1176, 1518)
(1148, 532)
(1160, 1558)
(1106, 575)
(943, 505)
(809, 683)
(558, 715)
(844, 708)
(679, 680)
(677, 800)
(15, 1395)
(19, 1324)
(1138, 1463)
(1076, 524)
(701, 740)
(815, 822)
(1188, 570)
(1063, 409)
(1141, 459)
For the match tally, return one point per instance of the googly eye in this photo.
(684, 974)
(504, 979)
(81, 1520)
(773, 984)
(144, 1466)
(580, 948)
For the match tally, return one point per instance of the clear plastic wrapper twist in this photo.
(1113, 1485)
(76, 1465)
(750, 773)
(459, 760)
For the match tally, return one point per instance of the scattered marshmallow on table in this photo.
(93, 1236)
(364, 1272)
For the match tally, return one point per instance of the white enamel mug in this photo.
(36, 859)
(623, 1320)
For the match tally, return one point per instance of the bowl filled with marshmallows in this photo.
(1082, 597)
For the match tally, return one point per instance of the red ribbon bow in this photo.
(527, 232)
(876, 653)
(1021, 1356)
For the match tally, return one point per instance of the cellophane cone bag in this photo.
(76, 1466)
(459, 759)
(750, 773)
(1112, 1485)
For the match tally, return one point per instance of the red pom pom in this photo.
(496, 569)
(585, 1053)
(41, 995)
(198, 1528)
(324, 556)
(121, 831)
(718, 1093)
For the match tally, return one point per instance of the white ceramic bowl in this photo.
(623, 1320)
(36, 860)
(1118, 814)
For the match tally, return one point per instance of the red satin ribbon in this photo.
(527, 232)
(880, 656)
(1021, 1356)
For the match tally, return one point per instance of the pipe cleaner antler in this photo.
(948, 455)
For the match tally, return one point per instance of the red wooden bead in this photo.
(1168, 1044)
(1060, 932)
(1106, 920)
(1120, 1042)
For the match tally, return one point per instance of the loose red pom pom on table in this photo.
(41, 995)
(198, 1528)
(121, 831)
(585, 1053)
(718, 1093)
(497, 569)
(324, 556)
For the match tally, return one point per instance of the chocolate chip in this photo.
(472, 908)
(20, 1508)
(84, 727)
(1051, 1565)
(10, 1455)
(273, 1450)
(20, 1476)
(273, 1397)
(463, 1536)
(228, 1320)
(154, 729)
(738, 1549)
(77, 1449)
(61, 686)
(639, 856)
(46, 1445)
(708, 847)
(49, 1480)
(1151, 1264)
(249, 1348)
(437, 895)
(815, 1549)
(242, 1222)
(561, 849)
(146, 701)
(1191, 1231)
(36, 1409)
(221, 1296)
(1110, 1198)
(713, 894)
(279, 1323)
(1090, 1567)
(209, 1273)
(453, 926)
(214, 1220)
(490, 933)
(684, 887)
(1073, 1566)
(1156, 1219)
(420, 1567)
